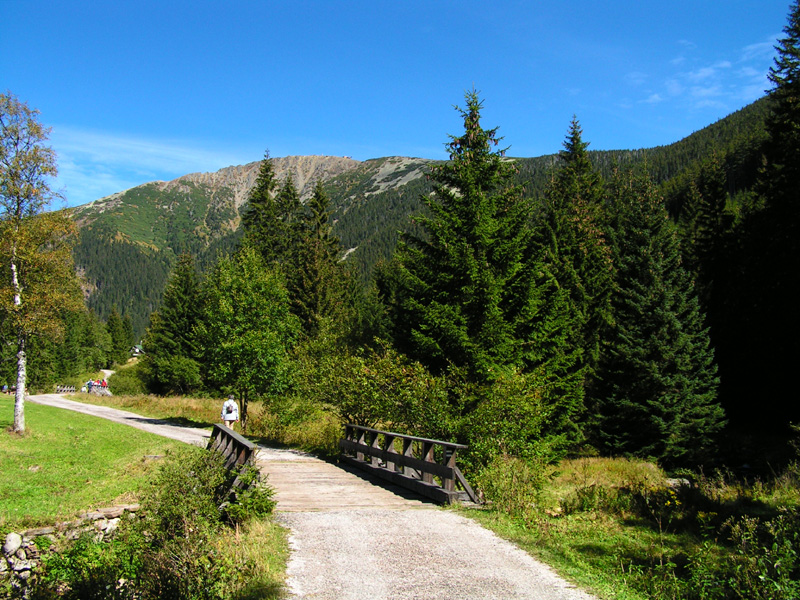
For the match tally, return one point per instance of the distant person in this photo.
(230, 412)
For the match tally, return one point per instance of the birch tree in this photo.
(37, 274)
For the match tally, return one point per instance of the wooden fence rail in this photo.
(65, 389)
(427, 467)
(237, 452)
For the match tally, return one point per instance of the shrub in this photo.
(174, 549)
(127, 381)
(513, 485)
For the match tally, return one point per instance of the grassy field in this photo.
(62, 466)
(67, 463)
(620, 528)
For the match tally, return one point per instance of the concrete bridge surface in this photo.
(352, 539)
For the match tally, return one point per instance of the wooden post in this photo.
(427, 456)
(449, 483)
(375, 444)
(388, 447)
(408, 450)
(361, 440)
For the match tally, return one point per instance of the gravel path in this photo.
(189, 435)
(425, 554)
(350, 542)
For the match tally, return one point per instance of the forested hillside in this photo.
(129, 241)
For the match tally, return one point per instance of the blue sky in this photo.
(142, 91)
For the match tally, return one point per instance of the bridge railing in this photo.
(237, 450)
(238, 453)
(427, 467)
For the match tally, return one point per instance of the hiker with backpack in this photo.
(230, 412)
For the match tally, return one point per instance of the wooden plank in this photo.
(427, 490)
(399, 459)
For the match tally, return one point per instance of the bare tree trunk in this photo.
(22, 376)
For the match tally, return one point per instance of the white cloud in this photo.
(95, 164)
(761, 50)
(721, 84)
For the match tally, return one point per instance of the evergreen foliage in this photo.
(474, 299)
(657, 385)
(121, 332)
(170, 346)
(270, 218)
(466, 294)
(317, 281)
(572, 232)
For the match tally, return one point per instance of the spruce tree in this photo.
(170, 342)
(657, 390)
(572, 232)
(260, 217)
(474, 292)
(317, 281)
(763, 321)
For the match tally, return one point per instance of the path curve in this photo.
(351, 539)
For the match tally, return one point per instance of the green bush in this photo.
(513, 485)
(127, 381)
(173, 550)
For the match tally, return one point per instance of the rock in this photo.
(678, 483)
(32, 533)
(21, 565)
(112, 525)
(12, 544)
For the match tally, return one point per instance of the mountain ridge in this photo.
(371, 200)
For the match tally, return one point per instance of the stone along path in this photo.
(351, 539)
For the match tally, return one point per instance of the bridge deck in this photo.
(305, 483)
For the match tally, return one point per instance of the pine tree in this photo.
(169, 344)
(657, 378)
(474, 293)
(317, 281)
(290, 228)
(572, 233)
(121, 332)
(762, 320)
(260, 217)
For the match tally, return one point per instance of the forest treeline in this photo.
(620, 302)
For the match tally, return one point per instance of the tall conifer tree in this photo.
(657, 391)
(260, 217)
(170, 345)
(572, 231)
(473, 292)
(764, 324)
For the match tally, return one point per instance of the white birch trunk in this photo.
(22, 359)
(19, 399)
